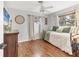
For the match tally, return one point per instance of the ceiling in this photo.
(34, 6)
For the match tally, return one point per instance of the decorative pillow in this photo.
(66, 30)
(59, 29)
(54, 28)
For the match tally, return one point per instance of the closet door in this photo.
(36, 30)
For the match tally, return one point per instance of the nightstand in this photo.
(75, 45)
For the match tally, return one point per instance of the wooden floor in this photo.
(39, 48)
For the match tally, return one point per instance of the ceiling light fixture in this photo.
(43, 9)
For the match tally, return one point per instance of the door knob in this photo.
(2, 45)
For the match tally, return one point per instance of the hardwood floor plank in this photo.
(39, 48)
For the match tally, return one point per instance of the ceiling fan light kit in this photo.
(43, 9)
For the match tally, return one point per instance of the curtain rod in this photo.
(67, 14)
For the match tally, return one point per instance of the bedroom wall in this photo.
(1, 22)
(22, 28)
(52, 20)
(1, 27)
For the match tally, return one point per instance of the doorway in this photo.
(36, 30)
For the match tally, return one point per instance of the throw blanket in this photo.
(47, 35)
(60, 40)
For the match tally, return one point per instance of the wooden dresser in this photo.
(11, 39)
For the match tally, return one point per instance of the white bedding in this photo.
(61, 40)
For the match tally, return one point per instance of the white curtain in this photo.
(40, 23)
(30, 27)
(36, 30)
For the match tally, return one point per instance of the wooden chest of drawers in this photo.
(11, 39)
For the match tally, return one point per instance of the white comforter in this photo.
(61, 40)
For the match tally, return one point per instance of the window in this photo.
(67, 20)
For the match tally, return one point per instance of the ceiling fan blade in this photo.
(43, 9)
(46, 11)
(48, 7)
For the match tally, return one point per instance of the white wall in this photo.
(22, 28)
(1, 27)
(1, 22)
(52, 20)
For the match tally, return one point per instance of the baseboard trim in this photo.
(26, 40)
(22, 41)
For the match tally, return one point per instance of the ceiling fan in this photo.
(43, 9)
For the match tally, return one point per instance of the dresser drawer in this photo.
(11, 39)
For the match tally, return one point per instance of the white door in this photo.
(36, 30)
(1, 28)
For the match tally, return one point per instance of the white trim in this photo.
(23, 40)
